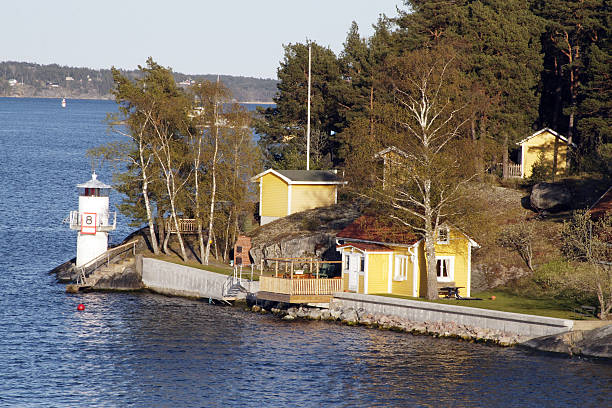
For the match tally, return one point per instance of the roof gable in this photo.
(603, 205)
(366, 247)
(549, 130)
(303, 176)
(375, 230)
(390, 149)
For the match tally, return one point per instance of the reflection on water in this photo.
(149, 350)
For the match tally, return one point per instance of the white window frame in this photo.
(347, 261)
(451, 268)
(447, 239)
(401, 271)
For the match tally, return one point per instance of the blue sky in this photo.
(236, 37)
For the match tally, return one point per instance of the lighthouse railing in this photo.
(104, 259)
(107, 221)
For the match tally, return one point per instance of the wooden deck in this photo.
(297, 290)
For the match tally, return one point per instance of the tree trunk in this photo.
(214, 185)
(178, 231)
(227, 237)
(478, 157)
(166, 240)
(372, 109)
(505, 156)
(555, 154)
(145, 195)
(430, 250)
(201, 240)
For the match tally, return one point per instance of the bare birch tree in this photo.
(428, 177)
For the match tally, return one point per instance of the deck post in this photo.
(261, 263)
(276, 269)
(317, 281)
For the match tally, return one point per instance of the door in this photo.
(353, 283)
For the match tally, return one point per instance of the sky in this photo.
(234, 37)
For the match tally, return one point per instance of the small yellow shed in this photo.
(379, 257)
(284, 192)
(542, 144)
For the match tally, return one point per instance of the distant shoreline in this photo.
(110, 99)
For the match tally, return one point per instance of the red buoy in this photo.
(81, 307)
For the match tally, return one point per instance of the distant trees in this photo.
(178, 144)
(99, 83)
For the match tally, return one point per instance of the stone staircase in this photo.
(101, 273)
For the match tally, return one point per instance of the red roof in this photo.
(372, 229)
(365, 246)
(603, 205)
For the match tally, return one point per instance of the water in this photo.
(135, 349)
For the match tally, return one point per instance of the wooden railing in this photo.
(299, 286)
(186, 226)
(514, 170)
(90, 267)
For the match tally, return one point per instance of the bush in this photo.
(540, 171)
(551, 275)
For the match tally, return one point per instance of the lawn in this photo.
(214, 266)
(507, 302)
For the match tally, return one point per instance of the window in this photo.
(347, 259)
(362, 264)
(401, 268)
(444, 268)
(239, 249)
(443, 235)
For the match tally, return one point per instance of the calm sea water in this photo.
(136, 349)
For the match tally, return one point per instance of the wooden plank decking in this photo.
(298, 290)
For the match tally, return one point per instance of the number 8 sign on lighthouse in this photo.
(88, 223)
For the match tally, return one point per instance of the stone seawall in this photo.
(179, 280)
(526, 326)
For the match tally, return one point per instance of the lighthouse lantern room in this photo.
(93, 221)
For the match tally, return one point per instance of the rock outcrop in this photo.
(591, 343)
(310, 233)
(550, 197)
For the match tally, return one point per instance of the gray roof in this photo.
(93, 183)
(310, 175)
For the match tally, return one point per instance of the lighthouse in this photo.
(93, 221)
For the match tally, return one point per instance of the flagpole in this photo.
(308, 120)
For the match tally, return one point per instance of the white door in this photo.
(353, 273)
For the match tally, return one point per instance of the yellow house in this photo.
(284, 192)
(378, 257)
(542, 143)
(395, 165)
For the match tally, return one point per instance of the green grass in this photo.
(507, 302)
(217, 268)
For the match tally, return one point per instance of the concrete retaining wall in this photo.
(524, 325)
(173, 279)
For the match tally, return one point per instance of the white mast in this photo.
(308, 120)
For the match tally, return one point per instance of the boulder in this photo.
(550, 196)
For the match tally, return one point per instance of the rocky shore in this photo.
(590, 343)
(354, 317)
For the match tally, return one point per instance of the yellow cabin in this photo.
(284, 192)
(542, 143)
(395, 165)
(380, 258)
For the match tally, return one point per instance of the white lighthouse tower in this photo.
(93, 221)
